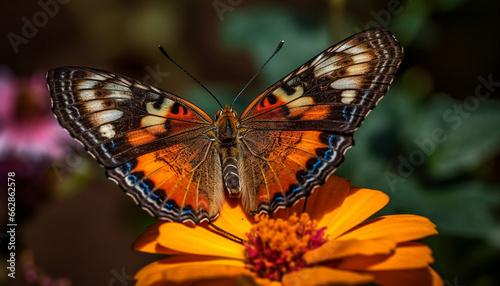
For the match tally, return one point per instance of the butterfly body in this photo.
(228, 134)
(176, 162)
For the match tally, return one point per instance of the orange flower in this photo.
(327, 244)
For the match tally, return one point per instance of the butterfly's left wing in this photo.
(153, 144)
(297, 131)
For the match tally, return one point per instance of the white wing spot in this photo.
(93, 106)
(358, 69)
(347, 83)
(119, 95)
(327, 66)
(86, 84)
(362, 58)
(356, 50)
(107, 131)
(117, 87)
(86, 95)
(105, 116)
(281, 94)
(158, 116)
(348, 96)
(306, 101)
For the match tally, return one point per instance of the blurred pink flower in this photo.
(28, 130)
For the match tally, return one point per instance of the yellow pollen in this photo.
(276, 246)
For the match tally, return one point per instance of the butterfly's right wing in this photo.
(152, 143)
(297, 131)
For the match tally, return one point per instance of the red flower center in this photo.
(276, 246)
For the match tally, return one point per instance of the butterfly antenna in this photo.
(275, 52)
(190, 75)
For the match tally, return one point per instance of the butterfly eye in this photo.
(218, 113)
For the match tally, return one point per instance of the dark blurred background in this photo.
(432, 144)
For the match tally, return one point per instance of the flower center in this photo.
(276, 246)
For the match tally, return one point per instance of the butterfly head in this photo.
(226, 111)
(226, 124)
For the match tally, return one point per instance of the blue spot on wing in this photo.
(171, 205)
(125, 169)
(328, 155)
(317, 165)
(145, 188)
(345, 112)
(132, 179)
(297, 189)
(333, 140)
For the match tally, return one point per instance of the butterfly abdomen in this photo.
(230, 172)
(227, 133)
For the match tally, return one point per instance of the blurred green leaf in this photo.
(260, 29)
(472, 139)
(408, 23)
(447, 5)
(224, 92)
(464, 208)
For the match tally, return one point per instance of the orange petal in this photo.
(148, 241)
(436, 279)
(358, 206)
(322, 275)
(264, 282)
(234, 220)
(197, 240)
(327, 198)
(410, 277)
(324, 200)
(189, 268)
(400, 228)
(334, 249)
(406, 256)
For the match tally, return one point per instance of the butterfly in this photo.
(175, 161)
